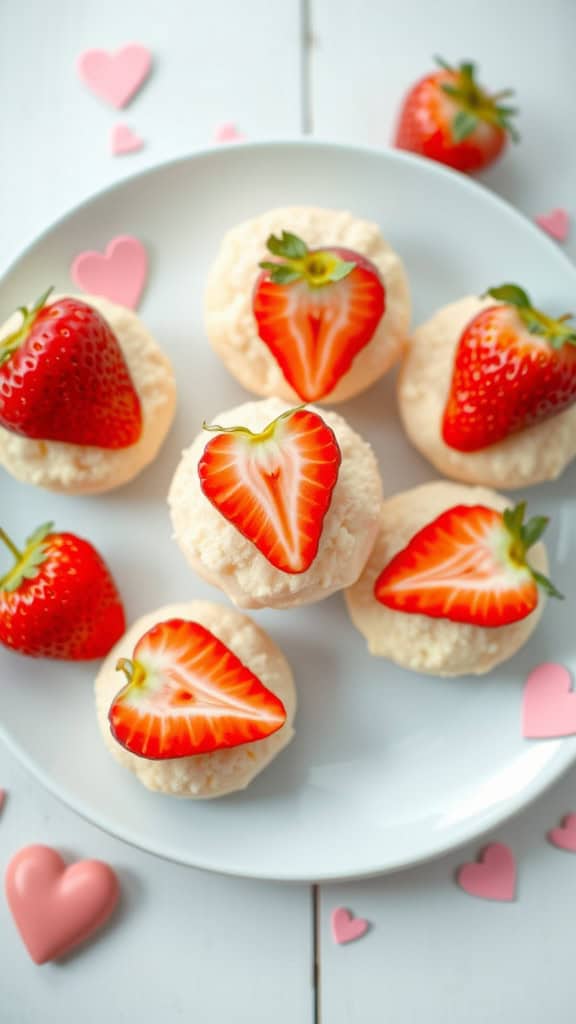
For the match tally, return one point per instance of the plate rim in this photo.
(567, 746)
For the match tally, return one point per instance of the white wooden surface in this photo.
(190, 946)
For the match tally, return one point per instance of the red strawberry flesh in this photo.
(276, 486)
(189, 694)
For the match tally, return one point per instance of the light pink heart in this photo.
(556, 223)
(493, 877)
(549, 707)
(57, 907)
(228, 132)
(346, 927)
(118, 274)
(2, 798)
(564, 835)
(115, 77)
(123, 140)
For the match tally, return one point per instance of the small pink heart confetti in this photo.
(118, 274)
(556, 223)
(346, 927)
(228, 132)
(123, 140)
(56, 907)
(493, 876)
(564, 835)
(549, 707)
(115, 77)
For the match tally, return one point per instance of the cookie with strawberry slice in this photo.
(196, 700)
(86, 396)
(488, 390)
(456, 582)
(58, 599)
(307, 304)
(276, 506)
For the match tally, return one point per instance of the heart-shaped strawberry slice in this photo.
(275, 486)
(187, 694)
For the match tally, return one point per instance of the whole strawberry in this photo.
(448, 117)
(59, 599)
(514, 367)
(63, 377)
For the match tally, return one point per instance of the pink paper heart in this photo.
(346, 927)
(118, 274)
(56, 907)
(115, 77)
(124, 141)
(493, 877)
(556, 223)
(228, 132)
(549, 707)
(564, 835)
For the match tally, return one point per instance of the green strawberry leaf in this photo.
(511, 294)
(546, 584)
(282, 273)
(288, 247)
(341, 270)
(463, 125)
(443, 64)
(38, 536)
(533, 530)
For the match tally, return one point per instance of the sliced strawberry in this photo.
(316, 309)
(63, 377)
(514, 367)
(188, 694)
(276, 486)
(468, 565)
(447, 116)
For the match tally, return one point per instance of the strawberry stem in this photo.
(474, 103)
(262, 435)
(133, 670)
(9, 345)
(18, 555)
(27, 562)
(295, 262)
(523, 536)
(556, 330)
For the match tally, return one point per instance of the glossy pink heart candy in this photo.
(346, 927)
(56, 907)
(118, 274)
(549, 707)
(115, 77)
(556, 223)
(123, 140)
(564, 835)
(493, 877)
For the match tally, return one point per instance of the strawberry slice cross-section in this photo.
(187, 694)
(275, 486)
(316, 309)
(468, 565)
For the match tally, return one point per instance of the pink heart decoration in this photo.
(115, 77)
(493, 877)
(564, 836)
(556, 223)
(57, 907)
(346, 927)
(228, 132)
(119, 274)
(549, 703)
(124, 141)
(2, 798)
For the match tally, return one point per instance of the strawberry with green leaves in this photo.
(316, 309)
(187, 693)
(447, 116)
(469, 565)
(274, 486)
(58, 600)
(63, 377)
(514, 367)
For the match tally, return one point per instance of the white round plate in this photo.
(388, 767)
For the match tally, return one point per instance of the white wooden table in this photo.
(189, 946)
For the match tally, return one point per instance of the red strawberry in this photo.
(59, 599)
(315, 310)
(63, 377)
(187, 693)
(514, 367)
(448, 117)
(468, 565)
(275, 487)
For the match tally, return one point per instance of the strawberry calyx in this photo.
(296, 262)
(255, 437)
(556, 331)
(27, 562)
(521, 537)
(134, 671)
(9, 345)
(475, 104)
